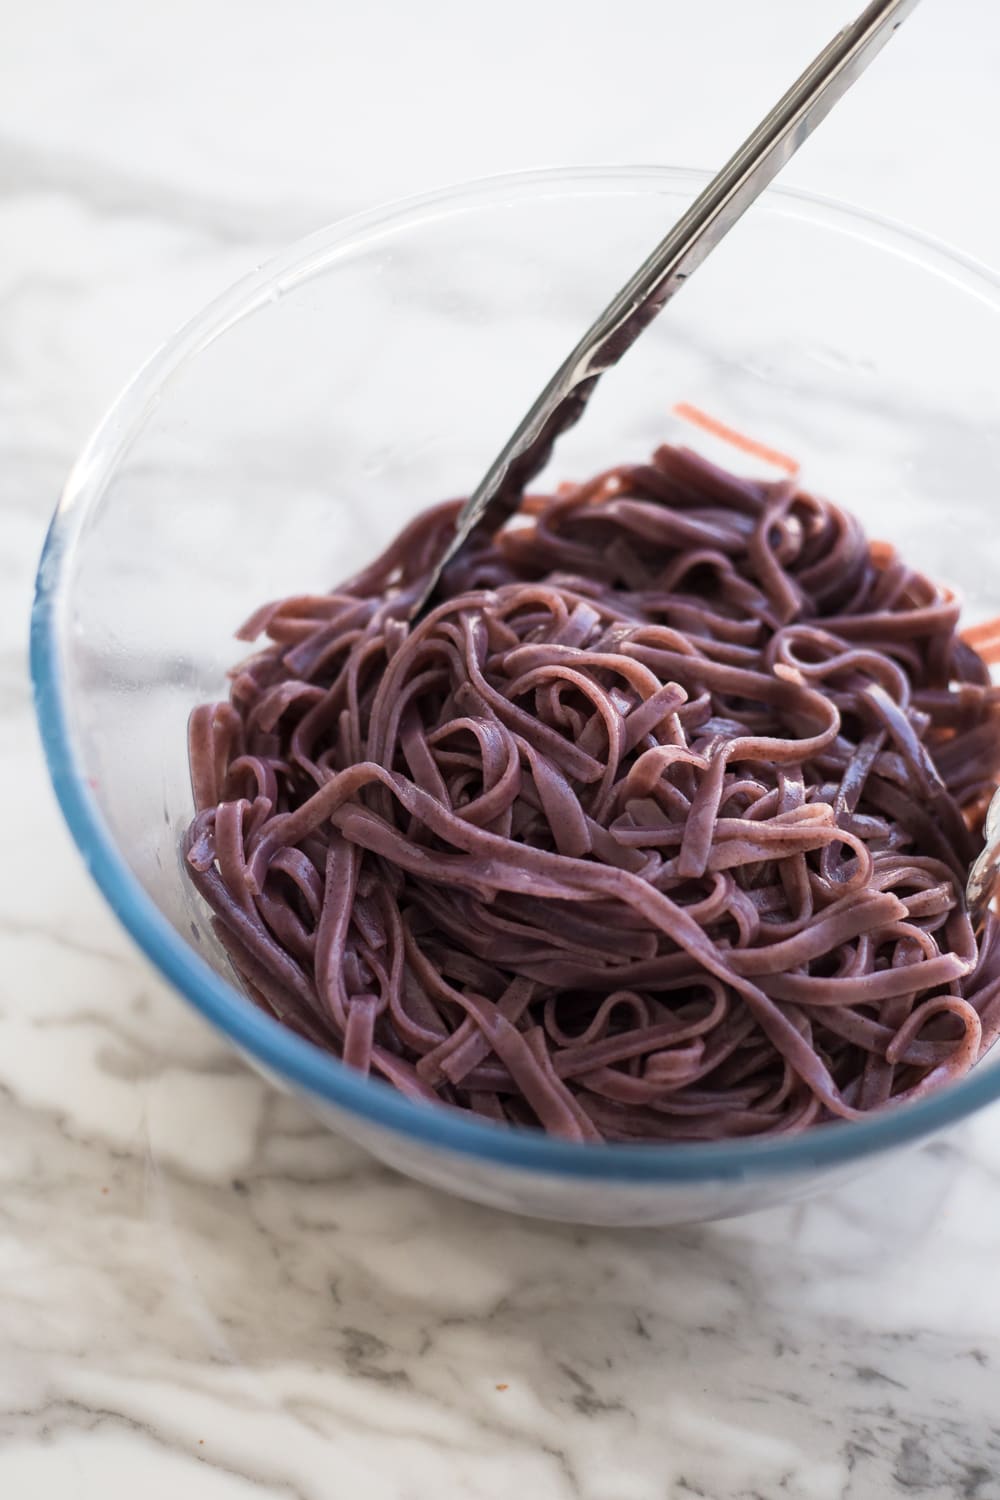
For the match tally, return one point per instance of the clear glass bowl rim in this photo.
(277, 1049)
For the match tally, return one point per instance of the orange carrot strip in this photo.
(985, 634)
(739, 440)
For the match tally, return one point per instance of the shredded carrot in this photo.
(977, 635)
(701, 419)
(881, 553)
(984, 639)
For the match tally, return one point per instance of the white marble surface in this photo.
(201, 1293)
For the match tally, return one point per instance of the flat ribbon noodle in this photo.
(655, 828)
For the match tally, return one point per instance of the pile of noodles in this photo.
(656, 829)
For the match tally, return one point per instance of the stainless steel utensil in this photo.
(693, 237)
(709, 219)
(983, 875)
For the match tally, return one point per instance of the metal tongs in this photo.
(695, 235)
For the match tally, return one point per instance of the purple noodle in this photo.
(656, 829)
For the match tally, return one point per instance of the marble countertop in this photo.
(201, 1292)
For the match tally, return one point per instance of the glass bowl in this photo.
(282, 437)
